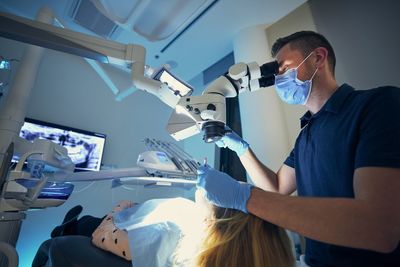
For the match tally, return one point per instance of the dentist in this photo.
(345, 164)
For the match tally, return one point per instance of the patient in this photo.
(180, 232)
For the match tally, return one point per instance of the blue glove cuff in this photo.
(243, 195)
(244, 146)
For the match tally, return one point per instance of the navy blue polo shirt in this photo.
(353, 129)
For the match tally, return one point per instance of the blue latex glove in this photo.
(234, 142)
(222, 190)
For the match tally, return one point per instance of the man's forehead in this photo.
(286, 55)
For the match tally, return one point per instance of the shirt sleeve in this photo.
(379, 140)
(290, 159)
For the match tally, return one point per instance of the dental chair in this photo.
(77, 251)
(71, 245)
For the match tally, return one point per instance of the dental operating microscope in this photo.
(207, 113)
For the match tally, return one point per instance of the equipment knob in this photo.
(211, 107)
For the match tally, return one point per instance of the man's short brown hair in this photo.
(306, 42)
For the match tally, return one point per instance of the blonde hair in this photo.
(238, 239)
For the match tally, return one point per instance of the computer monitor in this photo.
(85, 148)
(178, 86)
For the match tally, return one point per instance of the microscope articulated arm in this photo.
(75, 43)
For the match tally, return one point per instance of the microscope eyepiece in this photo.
(267, 81)
(269, 69)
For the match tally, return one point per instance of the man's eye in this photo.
(283, 69)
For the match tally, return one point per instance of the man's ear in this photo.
(321, 54)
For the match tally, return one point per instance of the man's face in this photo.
(289, 58)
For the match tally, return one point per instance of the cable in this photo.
(7, 67)
(85, 188)
(133, 188)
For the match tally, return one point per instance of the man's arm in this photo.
(370, 221)
(283, 182)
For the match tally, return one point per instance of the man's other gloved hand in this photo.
(222, 190)
(234, 142)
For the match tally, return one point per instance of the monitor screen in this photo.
(177, 85)
(84, 148)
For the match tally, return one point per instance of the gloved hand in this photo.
(234, 142)
(222, 190)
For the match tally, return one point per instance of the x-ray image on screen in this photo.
(84, 148)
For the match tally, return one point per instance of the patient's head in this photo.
(203, 204)
(238, 239)
(233, 238)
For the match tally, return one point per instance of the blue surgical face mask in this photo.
(292, 90)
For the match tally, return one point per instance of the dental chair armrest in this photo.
(11, 254)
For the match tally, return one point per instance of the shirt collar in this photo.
(334, 103)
